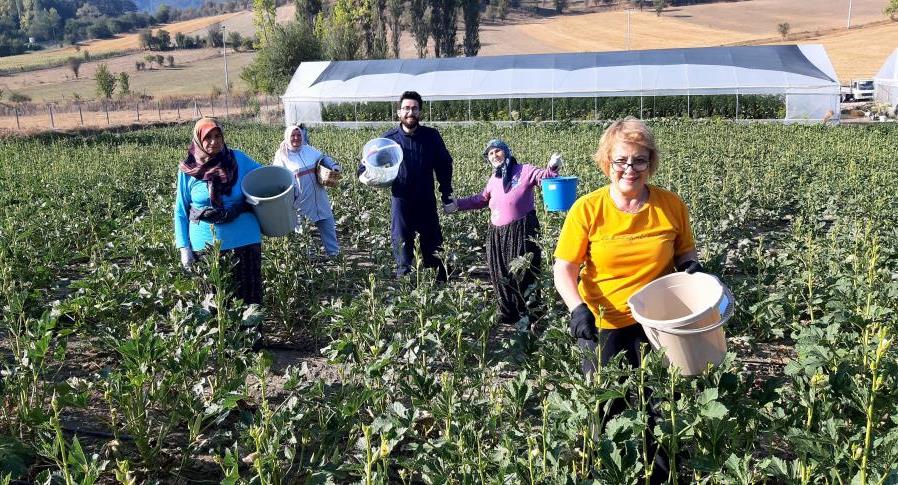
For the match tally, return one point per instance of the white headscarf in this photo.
(283, 151)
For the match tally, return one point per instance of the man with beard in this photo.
(413, 205)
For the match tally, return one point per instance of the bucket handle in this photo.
(727, 314)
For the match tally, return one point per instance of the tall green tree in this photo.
(124, 84)
(394, 19)
(307, 10)
(274, 65)
(436, 26)
(339, 32)
(444, 27)
(264, 18)
(419, 25)
(471, 10)
(215, 35)
(105, 81)
(379, 35)
(46, 25)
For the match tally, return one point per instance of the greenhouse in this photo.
(885, 83)
(788, 82)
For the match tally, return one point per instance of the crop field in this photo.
(122, 43)
(119, 367)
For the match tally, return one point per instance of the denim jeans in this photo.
(327, 229)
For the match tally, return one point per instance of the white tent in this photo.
(802, 74)
(885, 83)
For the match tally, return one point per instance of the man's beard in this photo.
(410, 122)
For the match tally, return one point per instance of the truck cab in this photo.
(858, 90)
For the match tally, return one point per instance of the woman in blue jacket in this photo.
(210, 206)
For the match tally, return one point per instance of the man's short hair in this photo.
(411, 95)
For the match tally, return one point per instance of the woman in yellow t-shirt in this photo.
(624, 236)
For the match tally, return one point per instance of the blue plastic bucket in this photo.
(559, 193)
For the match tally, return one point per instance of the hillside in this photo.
(855, 53)
(151, 6)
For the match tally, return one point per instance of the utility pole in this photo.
(849, 15)
(628, 28)
(224, 53)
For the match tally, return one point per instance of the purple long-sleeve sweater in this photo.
(506, 208)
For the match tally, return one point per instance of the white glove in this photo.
(556, 162)
(450, 208)
(187, 258)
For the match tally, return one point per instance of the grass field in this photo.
(118, 364)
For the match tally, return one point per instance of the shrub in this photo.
(19, 98)
(74, 64)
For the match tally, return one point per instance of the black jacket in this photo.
(423, 155)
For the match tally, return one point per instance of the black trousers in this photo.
(628, 341)
(514, 290)
(411, 217)
(246, 272)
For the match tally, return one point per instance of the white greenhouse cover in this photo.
(885, 83)
(804, 74)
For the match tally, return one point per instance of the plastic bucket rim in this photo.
(728, 313)
(255, 200)
(565, 177)
(676, 322)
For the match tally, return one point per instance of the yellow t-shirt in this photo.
(623, 252)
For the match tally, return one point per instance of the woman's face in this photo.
(496, 156)
(629, 169)
(296, 138)
(213, 142)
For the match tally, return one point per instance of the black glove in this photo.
(215, 215)
(583, 323)
(689, 267)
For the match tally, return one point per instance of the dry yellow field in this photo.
(122, 43)
(855, 53)
(859, 53)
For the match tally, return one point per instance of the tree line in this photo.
(27, 24)
(358, 29)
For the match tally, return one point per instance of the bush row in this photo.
(723, 106)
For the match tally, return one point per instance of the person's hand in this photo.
(583, 323)
(689, 267)
(450, 208)
(187, 258)
(555, 162)
(215, 215)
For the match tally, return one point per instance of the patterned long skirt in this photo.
(515, 282)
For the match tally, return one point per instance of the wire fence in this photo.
(103, 113)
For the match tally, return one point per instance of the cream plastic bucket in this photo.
(269, 191)
(684, 314)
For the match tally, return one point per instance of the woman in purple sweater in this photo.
(513, 231)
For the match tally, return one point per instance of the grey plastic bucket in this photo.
(684, 315)
(269, 191)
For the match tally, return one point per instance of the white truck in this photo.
(858, 90)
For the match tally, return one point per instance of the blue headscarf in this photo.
(502, 171)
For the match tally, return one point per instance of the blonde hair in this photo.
(629, 130)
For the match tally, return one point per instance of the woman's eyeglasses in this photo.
(638, 164)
